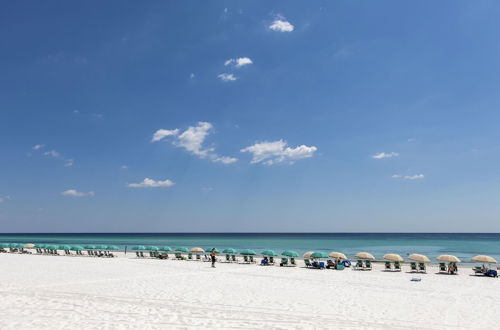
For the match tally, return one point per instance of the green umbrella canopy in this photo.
(247, 252)
(113, 247)
(40, 246)
(89, 247)
(269, 253)
(289, 253)
(64, 247)
(15, 245)
(152, 248)
(319, 255)
(51, 247)
(229, 251)
(76, 248)
(181, 249)
(210, 249)
(166, 248)
(101, 247)
(139, 247)
(4, 245)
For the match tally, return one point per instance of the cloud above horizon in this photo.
(4, 198)
(227, 77)
(408, 177)
(150, 183)
(76, 193)
(280, 24)
(274, 152)
(238, 62)
(383, 155)
(192, 140)
(54, 154)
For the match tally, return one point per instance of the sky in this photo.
(249, 116)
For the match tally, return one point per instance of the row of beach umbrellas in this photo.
(249, 252)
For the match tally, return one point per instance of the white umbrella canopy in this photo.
(29, 246)
(419, 257)
(337, 255)
(485, 259)
(448, 258)
(393, 257)
(307, 255)
(365, 255)
(197, 250)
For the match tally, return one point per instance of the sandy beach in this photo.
(60, 292)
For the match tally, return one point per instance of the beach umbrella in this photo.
(89, 247)
(337, 255)
(40, 246)
(4, 245)
(485, 259)
(15, 245)
(152, 248)
(229, 251)
(139, 248)
(64, 247)
(289, 253)
(319, 255)
(247, 252)
(365, 255)
(393, 257)
(113, 247)
(181, 249)
(29, 246)
(76, 248)
(269, 253)
(210, 250)
(419, 258)
(166, 248)
(196, 250)
(51, 247)
(101, 247)
(448, 258)
(307, 255)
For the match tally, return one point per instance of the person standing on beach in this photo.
(212, 256)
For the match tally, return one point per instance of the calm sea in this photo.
(462, 245)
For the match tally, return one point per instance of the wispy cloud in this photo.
(68, 162)
(150, 183)
(227, 77)
(4, 198)
(52, 153)
(277, 151)
(409, 177)
(281, 24)
(124, 167)
(38, 146)
(76, 193)
(238, 62)
(192, 140)
(383, 155)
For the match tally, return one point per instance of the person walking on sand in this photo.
(212, 256)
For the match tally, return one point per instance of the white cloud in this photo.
(52, 153)
(124, 167)
(76, 193)
(277, 151)
(150, 183)
(4, 198)
(162, 133)
(238, 62)
(192, 139)
(227, 77)
(69, 162)
(281, 25)
(409, 177)
(192, 76)
(38, 146)
(382, 155)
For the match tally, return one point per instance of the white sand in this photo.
(50, 292)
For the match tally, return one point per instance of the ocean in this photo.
(462, 245)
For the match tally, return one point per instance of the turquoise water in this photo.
(462, 245)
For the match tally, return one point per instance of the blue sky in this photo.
(189, 116)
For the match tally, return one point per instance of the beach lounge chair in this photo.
(252, 260)
(307, 262)
(245, 259)
(442, 267)
(358, 265)
(388, 265)
(233, 258)
(142, 254)
(413, 266)
(479, 270)
(228, 259)
(271, 260)
(330, 264)
(368, 265)
(421, 267)
(397, 266)
(321, 265)
(198, 257)
(284, 262)
(136, 253)
(292, 262)
(190, 256)
(264, 262)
